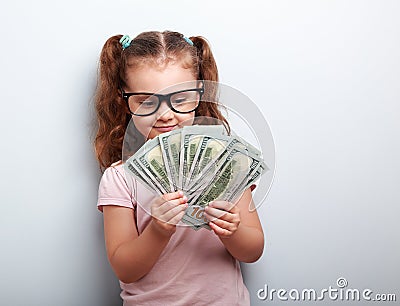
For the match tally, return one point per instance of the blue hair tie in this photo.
(188, 40)
(125, 41)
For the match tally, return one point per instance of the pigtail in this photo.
(111, 111)
(207, 66)
(208, 71)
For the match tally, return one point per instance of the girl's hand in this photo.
(224, 218)
(168, 210)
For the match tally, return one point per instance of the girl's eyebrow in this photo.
(161, 94)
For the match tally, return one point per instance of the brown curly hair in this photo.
(148, 47)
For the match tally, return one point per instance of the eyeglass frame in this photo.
(161, 98)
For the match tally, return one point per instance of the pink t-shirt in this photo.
(194, 268)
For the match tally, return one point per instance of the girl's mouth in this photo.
(164, 129)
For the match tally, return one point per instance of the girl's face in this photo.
(155, 79)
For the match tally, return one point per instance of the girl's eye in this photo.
(148, 103)
(144, 101)
(179, 100)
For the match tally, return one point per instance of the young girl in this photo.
(157, 261)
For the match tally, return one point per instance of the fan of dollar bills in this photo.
(202, 161)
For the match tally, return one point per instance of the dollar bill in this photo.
(256, 175)
(194, 216)
(203, 161)
(231, 175)
(250, 179)
(209, 148)
(203, 177)
(151, 161)
(248, 146)
(132, 166)
(230, 183)
(227, 178)
(170, 143)
(190, 138)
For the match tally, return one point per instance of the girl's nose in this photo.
(164, 112)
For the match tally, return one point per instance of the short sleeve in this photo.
(114, 189)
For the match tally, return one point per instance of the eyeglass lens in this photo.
(185, 101)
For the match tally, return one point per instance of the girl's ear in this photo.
(200, 84)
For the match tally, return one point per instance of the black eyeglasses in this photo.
(145, 104)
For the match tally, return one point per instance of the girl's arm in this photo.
(131, 255)
(238, 228)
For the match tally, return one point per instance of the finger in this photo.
(222, 232)
(233, 216)
(226, 224)
(166, 206)
(172, 213)
(225, 205)
(165, 198)
(215, 212)
(176, 218)
(234, 220)
(173, 195)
